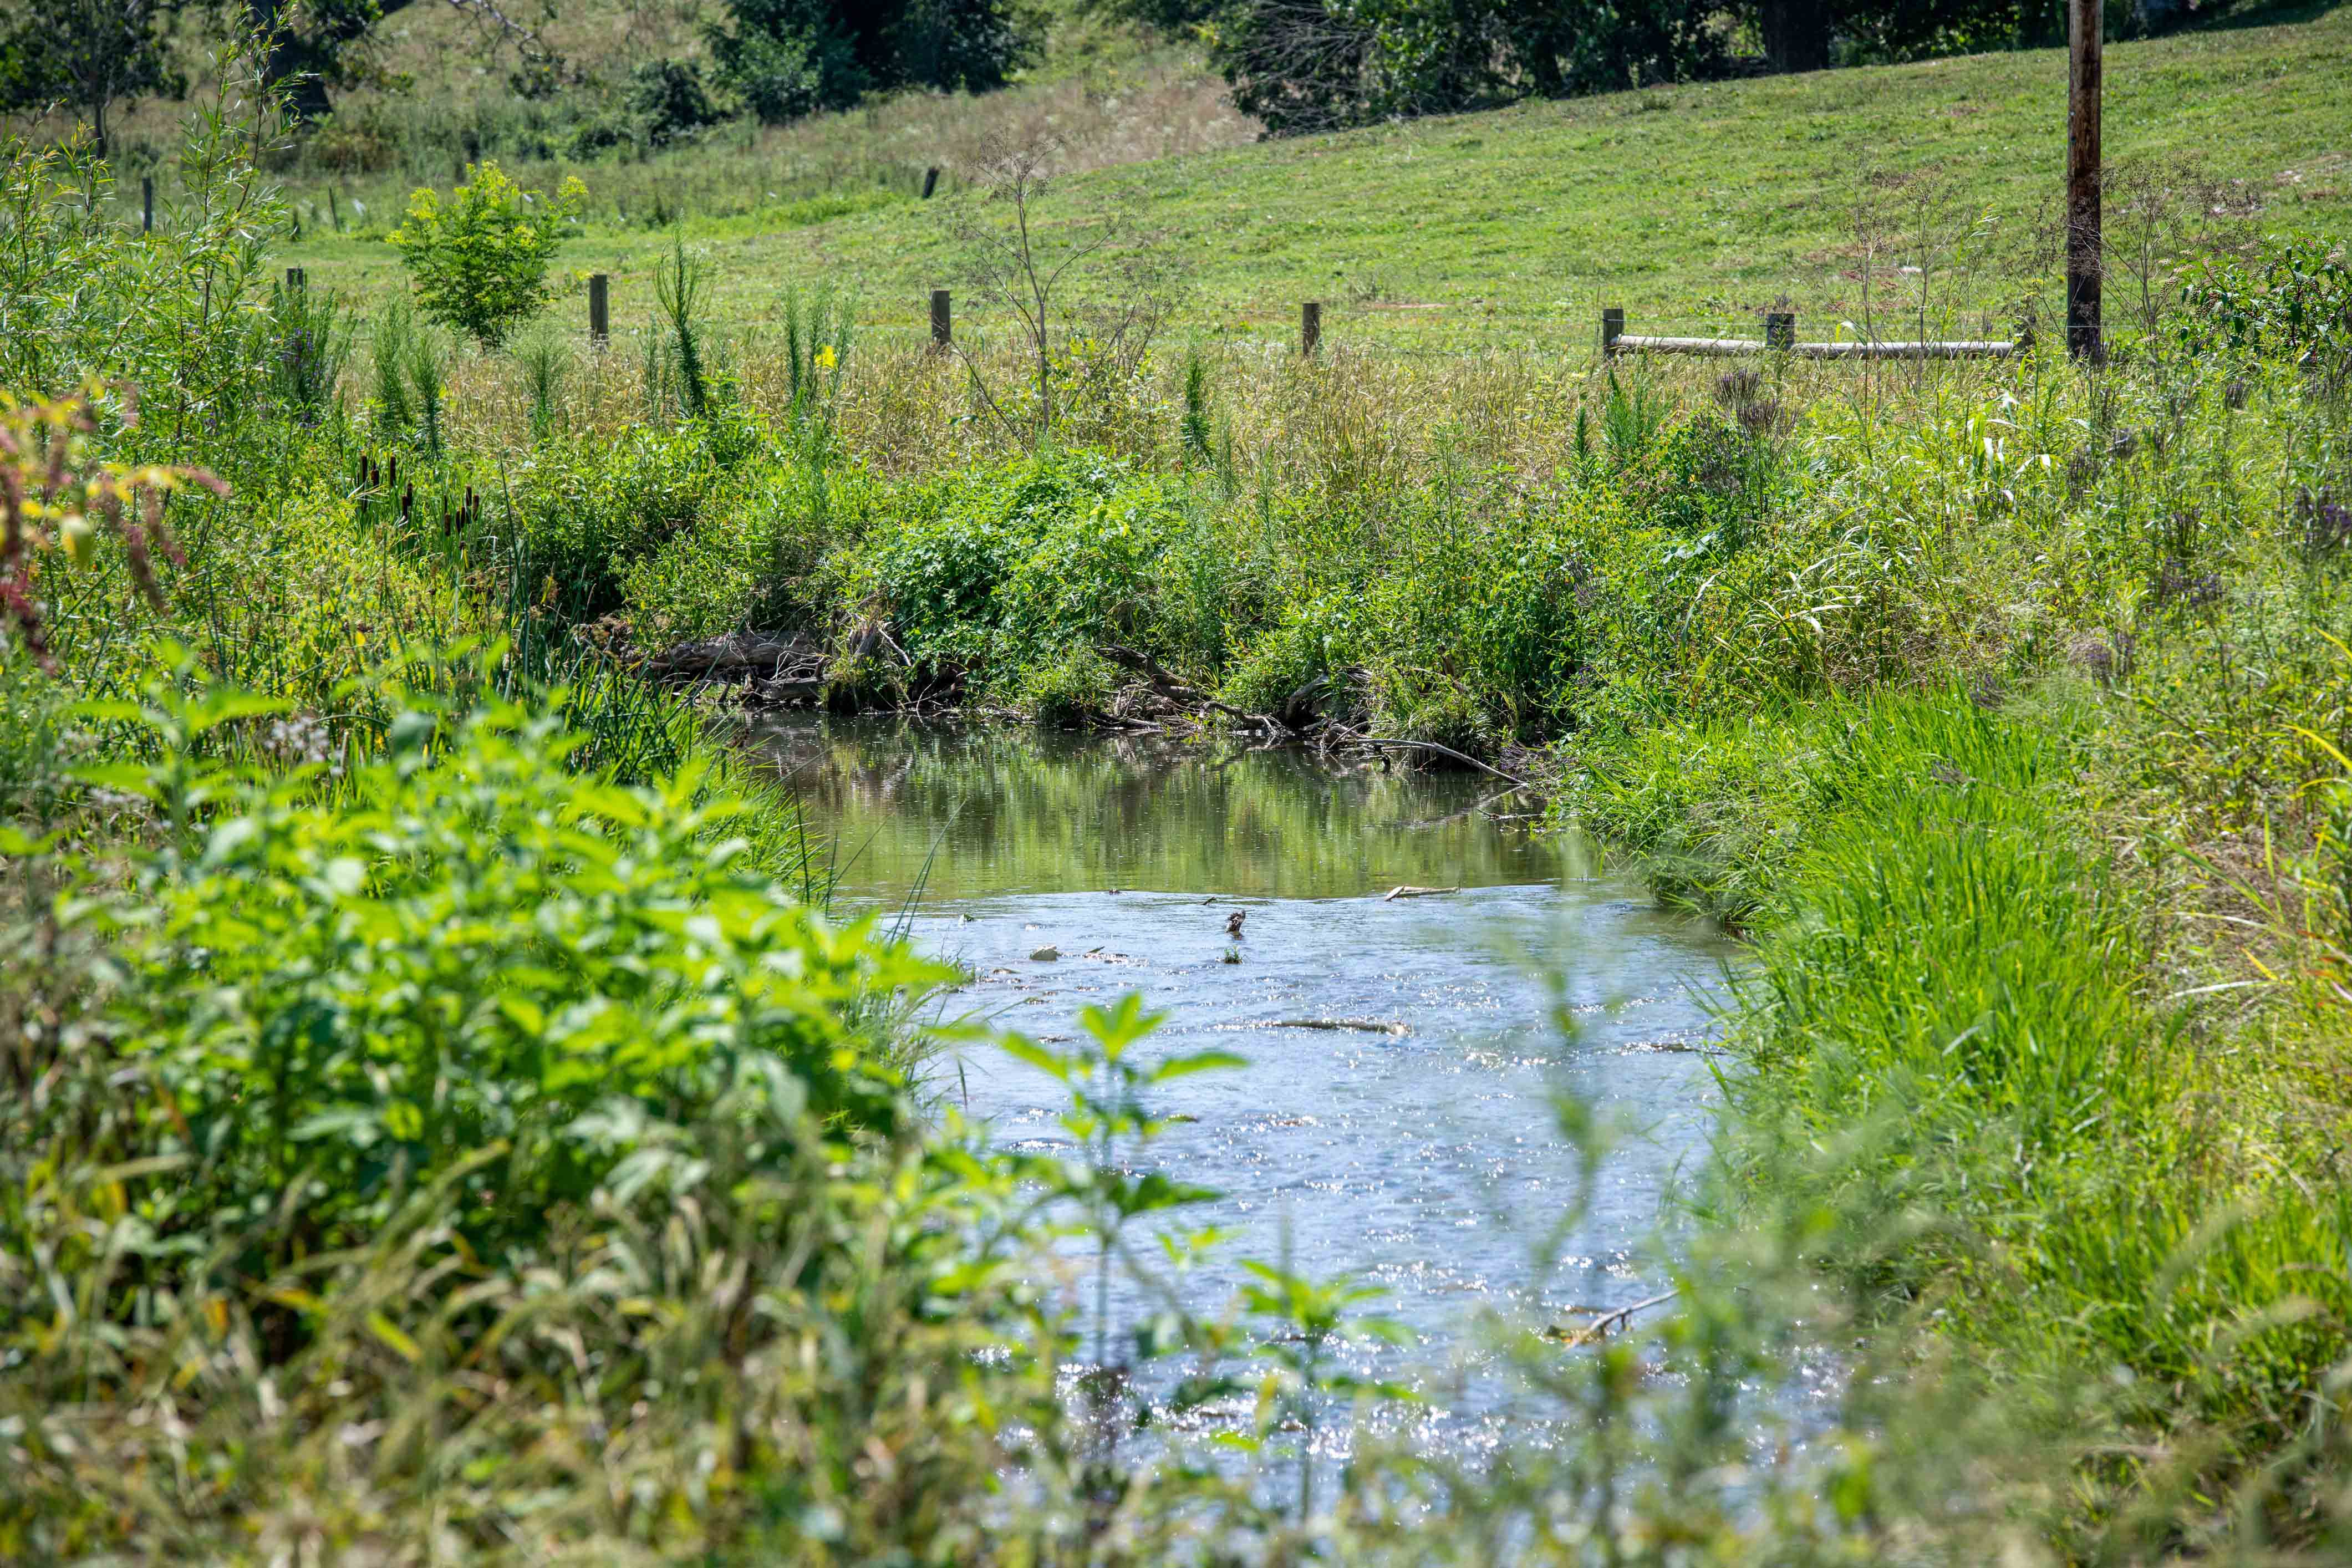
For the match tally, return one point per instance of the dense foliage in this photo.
(1311, 65)
(787, 58)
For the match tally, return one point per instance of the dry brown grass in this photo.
(1351, 421)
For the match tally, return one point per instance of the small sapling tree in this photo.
(479, 263)
(1095, 284)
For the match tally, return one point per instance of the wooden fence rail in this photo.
(1780, 337)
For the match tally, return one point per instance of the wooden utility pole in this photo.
(2085, 20)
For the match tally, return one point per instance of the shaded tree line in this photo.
(1309, 65)
(777, 60)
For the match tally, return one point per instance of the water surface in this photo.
(1423, 1155)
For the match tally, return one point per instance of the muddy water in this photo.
(1421, 1153)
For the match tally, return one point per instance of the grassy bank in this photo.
(440, 1124)
(1694, 206)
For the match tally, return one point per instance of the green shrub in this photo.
(479, 264)
(1474, 632)
(1703, 476)
(1072, 689)
(452, 962)
(1011, 569)
(583, 514)
(670, 102)
(1312, 638)
(755, 558)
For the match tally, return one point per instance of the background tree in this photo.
(790, 58)
(787, 58)
(1308, 65)
(308, 47)
(88, 54)
(314, 47)
(1796, 33)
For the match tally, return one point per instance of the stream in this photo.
(1423, 1154)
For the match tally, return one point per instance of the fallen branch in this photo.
(1462, 757)
(1599, 1328)
(1411, 892)
(1369, 1025)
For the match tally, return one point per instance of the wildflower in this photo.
(824, 357)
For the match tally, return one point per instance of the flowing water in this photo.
(1422, 1152)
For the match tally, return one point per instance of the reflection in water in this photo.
(1423, 1156)
(1028, 812)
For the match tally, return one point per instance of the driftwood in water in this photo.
(736, 655)
(1411, 892)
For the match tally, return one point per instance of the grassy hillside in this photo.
(1695, 205)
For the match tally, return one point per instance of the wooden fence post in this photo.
(294, 280)
(146, 204)
(2083, 87)
(942, 320)
(599, 311)
(930, 181)
(1612, 327)
(1780, 329)
(1310, 327)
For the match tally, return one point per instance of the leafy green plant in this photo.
(1193, 431)
(818, 332)
(1304, 1317)
(314, 334)
(58, 494)
(681, 285)
(1111, 1126)
(409, 380)
(479, 263)
(281, 942)
(546, 360)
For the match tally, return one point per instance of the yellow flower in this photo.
(825, 359)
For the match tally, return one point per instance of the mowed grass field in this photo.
(1694, 208)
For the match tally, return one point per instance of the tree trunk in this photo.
(1796, 34)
